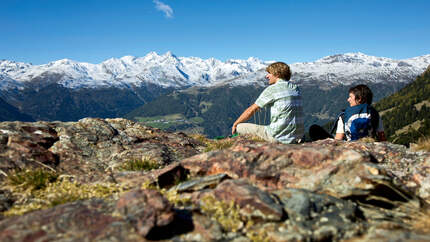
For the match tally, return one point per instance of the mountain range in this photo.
(67, 90)
(170, 71)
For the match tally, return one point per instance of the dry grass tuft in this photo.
(422, 145)
(145, 164)
(40, 189)
(60, 192)
(213, 144)
(199, 137)
(225, 213)
(256, 138)
(219, 144)
(367, 140)
(422, 222)
(31, 179)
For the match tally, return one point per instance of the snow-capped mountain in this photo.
(163, 70)
(178, 72)
(356, 67)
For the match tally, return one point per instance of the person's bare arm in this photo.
(247, 114)
(339, 136)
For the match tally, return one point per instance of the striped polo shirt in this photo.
(286, 111)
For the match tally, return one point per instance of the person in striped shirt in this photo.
(286, 112)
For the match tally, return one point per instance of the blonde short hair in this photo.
(280, 70)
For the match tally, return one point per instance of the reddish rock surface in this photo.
(326, 190)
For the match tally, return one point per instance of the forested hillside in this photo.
(211, 111)
(11, 113)
(406, 114)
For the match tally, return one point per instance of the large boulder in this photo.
(26, 145)
(335, 170)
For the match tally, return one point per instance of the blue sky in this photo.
(40, 31)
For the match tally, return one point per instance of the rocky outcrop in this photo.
(88, 149)
(252, 191)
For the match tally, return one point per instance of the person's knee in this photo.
(240, 129)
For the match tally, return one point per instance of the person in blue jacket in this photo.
(359, 120)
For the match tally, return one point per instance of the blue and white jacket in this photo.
(360, 121)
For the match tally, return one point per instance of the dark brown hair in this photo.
(280, 70)
(362, 94)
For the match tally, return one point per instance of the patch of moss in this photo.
(145, 164)
(226, 214)
(31, 179)
(61, 192)
(179, 200)
(257, 235)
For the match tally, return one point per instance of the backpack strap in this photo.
(341, 115)
(374, 120)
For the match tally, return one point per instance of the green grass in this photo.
(32, 179)
(39, 189)
(219, 144)
(60, 192)
(145, 164)
(196, 120)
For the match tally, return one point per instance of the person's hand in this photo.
(233, 129)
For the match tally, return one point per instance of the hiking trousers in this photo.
(255, 129)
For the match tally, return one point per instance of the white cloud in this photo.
(166, 9)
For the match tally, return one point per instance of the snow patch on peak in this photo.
(169, 54)
(128, 58)
(151, 55)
